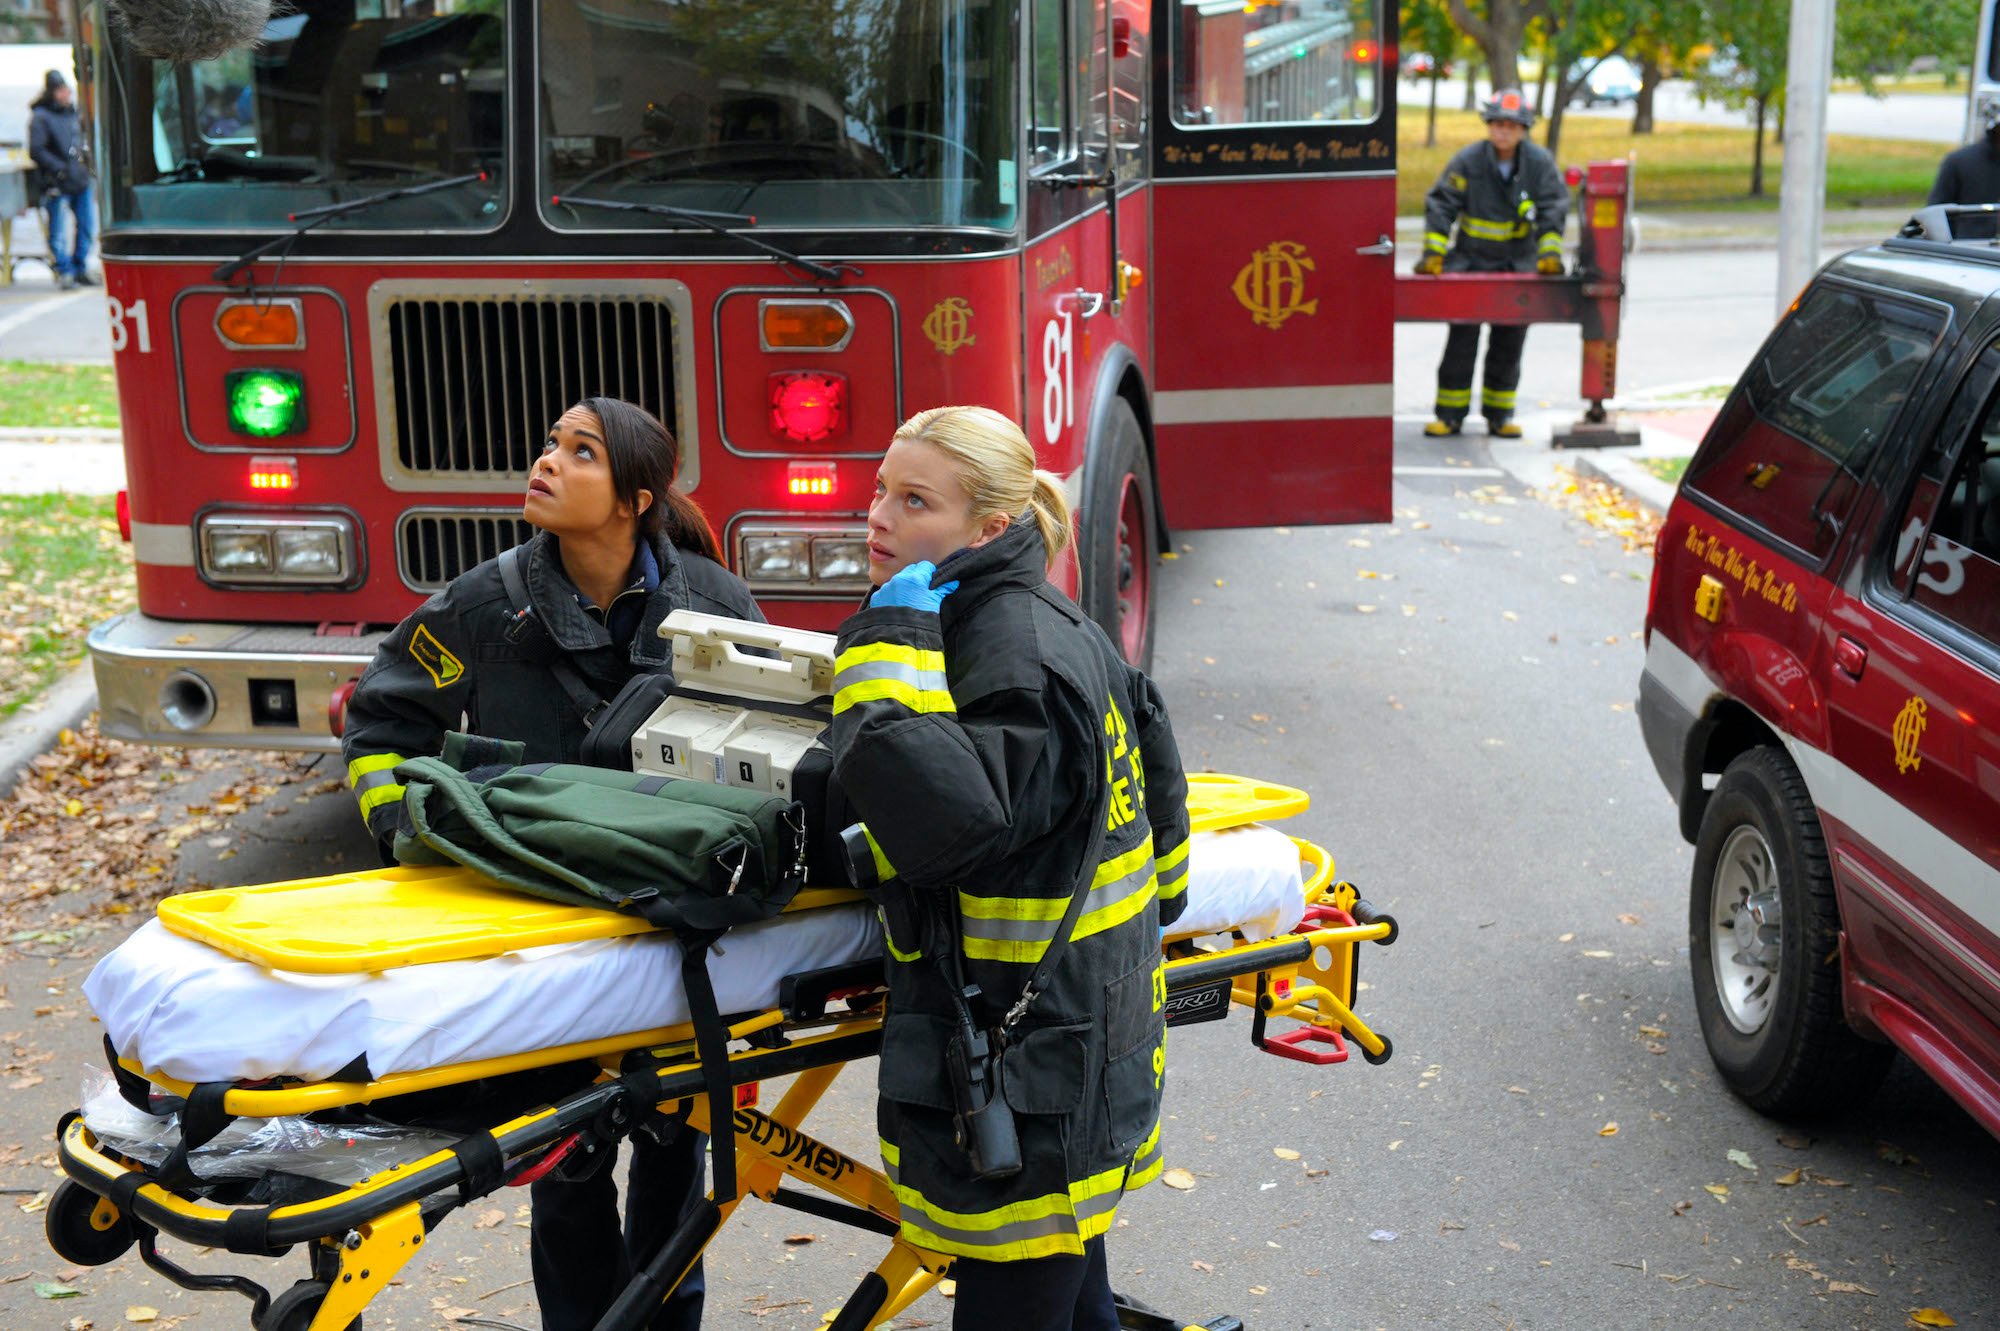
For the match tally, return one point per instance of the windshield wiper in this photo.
(312, 217)
(714, 222)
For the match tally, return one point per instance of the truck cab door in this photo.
(1274, 196)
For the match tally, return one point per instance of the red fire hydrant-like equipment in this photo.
(1590, 296)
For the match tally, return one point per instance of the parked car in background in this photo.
(1612, 81)
(1421, 64)
(1822, 677)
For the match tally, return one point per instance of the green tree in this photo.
(1876, 37)
(1500, 30)
(1665, 34)
(1427, 28)
(1748, 70)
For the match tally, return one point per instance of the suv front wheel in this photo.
(1765, 933)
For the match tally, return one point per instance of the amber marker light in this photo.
(263, 325)
(273, 473)
(811, 480)
(805, 325)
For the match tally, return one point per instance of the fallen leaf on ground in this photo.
(796, 1239)
(488, 1219)
(1178, 1178)
(49, 1289)
(1742, 1160)
(1284, 1153)
(1608, 1130)
(139, 1312)
(1719, 1191)
(1789, 1177)
(1931, 1317)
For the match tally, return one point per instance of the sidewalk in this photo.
(1731, 229)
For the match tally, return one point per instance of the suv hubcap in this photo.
(1746, 929)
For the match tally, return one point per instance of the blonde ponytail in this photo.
(1049, 506)
(997, 464)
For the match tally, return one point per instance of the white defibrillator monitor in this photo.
(738, 719)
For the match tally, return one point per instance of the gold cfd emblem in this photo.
(1272, 286)
(949, 325)
(1908, 730)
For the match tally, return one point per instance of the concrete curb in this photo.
(1644, 488)
(30, 732)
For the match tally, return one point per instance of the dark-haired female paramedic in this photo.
(618, 548)
(1004, 760)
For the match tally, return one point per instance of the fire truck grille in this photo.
(479, 378)
(435, 545)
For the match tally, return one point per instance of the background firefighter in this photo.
(1508, 201)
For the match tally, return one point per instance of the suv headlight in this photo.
(277, 548)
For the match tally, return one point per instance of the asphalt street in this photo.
(1545, 1148)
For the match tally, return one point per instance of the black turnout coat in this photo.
(1003, 756)
(451, 666)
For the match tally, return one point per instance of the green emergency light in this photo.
(266, 403)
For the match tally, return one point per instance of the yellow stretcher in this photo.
(359, 1237)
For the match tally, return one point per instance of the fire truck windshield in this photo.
(808, 113)
(342, 100)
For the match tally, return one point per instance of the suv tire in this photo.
(1764, 933)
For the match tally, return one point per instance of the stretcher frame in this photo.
(361, 1236)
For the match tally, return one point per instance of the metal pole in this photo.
(1802, 195)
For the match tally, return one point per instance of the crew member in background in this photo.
(1972, 174)
(55, 142)
(1509, 202)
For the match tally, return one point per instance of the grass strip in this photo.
(48, 394)
(64, 570)
(1682, 166)
(1667, 469)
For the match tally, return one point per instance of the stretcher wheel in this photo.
(295, 1308)
(83, 1229)
(1388, 1051)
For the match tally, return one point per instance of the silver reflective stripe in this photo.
(1323, 402)
(1150, 1158)
(163, 544)
(927, 681)
(368, 781)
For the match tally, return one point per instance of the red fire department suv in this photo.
(1822, 684)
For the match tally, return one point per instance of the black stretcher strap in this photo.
(485, 1165)
(202, 1117)
(138, 1092)
(711, 1043)
(248, 1231)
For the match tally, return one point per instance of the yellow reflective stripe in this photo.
(379, 795)
(873, 671)
(1550, 243)
(1146, 1161)
(1525, 208)
(1454, 397)
(1496, 397)
(1046, 1226)
(892, 1154)
(374, 762)
(1172, 870)
(1437, 242)
(884, 871)
(1488, 228)
(895, 653)
(889, 941)
(1019, 929)
(893, 690)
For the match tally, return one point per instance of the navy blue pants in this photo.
(1046, 1294)
(582, 1259)
(1503, 373)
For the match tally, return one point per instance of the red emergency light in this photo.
(807, 406)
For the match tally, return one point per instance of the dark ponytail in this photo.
(645, 456)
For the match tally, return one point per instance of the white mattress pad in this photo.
(180, 1007)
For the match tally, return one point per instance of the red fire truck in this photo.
(354, 272)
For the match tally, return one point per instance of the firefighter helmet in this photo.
(1508, 104)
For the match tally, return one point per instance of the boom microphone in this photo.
(187, 30)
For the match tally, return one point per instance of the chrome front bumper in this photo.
(232, 686)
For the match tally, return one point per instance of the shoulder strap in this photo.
(586, 699)
(1080, 879)
(512, 580)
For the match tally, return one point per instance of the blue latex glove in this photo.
(911, 588)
